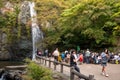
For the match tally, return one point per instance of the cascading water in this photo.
(37, 34)
(2, 77)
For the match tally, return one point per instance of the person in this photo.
(56, 53)
(104, 60)
(73, 61)
(46, 53)
(67, 59)
(119, 58)
(63, 56)
(39, 52)
(66, 51)
(87, 55)
(81, 58)
(116, 58)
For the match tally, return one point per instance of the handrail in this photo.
(73, 72)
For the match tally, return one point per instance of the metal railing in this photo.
(73, 72)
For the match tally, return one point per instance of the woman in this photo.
(104, 60)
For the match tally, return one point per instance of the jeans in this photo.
(87, 59)
(77, 68)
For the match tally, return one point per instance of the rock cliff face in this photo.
(24, 45)
(4, 54)
(25, 12)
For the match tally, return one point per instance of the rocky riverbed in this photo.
(12, 72)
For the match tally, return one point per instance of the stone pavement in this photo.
(112, 69)
(94, 69)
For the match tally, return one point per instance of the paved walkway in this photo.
(112, 69)
(94, 69)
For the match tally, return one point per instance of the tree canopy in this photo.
(69, 23)
(88, 23)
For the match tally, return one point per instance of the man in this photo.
(56, 53)
(73, 60)
(87, 55)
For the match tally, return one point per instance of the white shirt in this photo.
(56, 53)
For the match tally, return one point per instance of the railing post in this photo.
(61, 68)
(91, 77)
(40, 60)
(49, 63)
(71, 73)
(45, 62)
(55, 66)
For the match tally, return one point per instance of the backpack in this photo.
(104, 59)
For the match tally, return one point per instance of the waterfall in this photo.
(2, 77)
(37, 34)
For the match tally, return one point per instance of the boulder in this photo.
(4, 55)
(9, 73)
(2, 71)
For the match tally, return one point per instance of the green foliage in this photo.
(48, 13)
(91, 21)
(10, 25)
(2, 21)
(49, 10)
(27, 60)
(38, 72)
(76, 22)
(117, 30)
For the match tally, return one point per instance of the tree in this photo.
(89, 23)
(48, 15)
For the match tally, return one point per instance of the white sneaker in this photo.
(106, 75)
(103, 73)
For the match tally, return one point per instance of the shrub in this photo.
(38, 72)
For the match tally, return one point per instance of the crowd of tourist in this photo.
(85, 56)
(74, 58)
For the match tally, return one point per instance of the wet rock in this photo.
(4, 54)
(12, 72)
(13, 76)
(2, 71)
(10, 75)
(11, 52)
